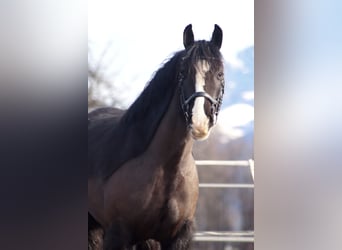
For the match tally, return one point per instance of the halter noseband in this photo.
(185, 102)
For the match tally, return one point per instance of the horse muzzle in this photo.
(200, 132)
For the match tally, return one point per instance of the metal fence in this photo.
(227, 236)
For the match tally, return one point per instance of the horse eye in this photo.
(220, 75)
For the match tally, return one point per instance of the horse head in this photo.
(201, 82)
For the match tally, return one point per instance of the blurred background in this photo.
(128, 41)
(297, 141)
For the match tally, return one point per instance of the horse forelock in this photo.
(203, 50)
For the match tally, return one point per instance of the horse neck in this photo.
(172, 139)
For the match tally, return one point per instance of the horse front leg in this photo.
(95, 234)
(117, 238)
(182, 240)
(148, 245)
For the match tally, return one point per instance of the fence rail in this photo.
(225, 185)
(244, 236)
(223, 163)
(226, 236)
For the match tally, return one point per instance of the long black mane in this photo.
(107, 137)
(113, 140)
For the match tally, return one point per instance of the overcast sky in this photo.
(158, 25)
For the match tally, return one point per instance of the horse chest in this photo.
(161, 198)
(177, 201)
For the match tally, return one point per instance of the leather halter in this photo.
(185, 102)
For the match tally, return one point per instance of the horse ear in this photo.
(216, 38)
(188, 37)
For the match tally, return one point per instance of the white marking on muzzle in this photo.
(200, 122)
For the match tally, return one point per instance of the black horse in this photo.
(142, 181)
